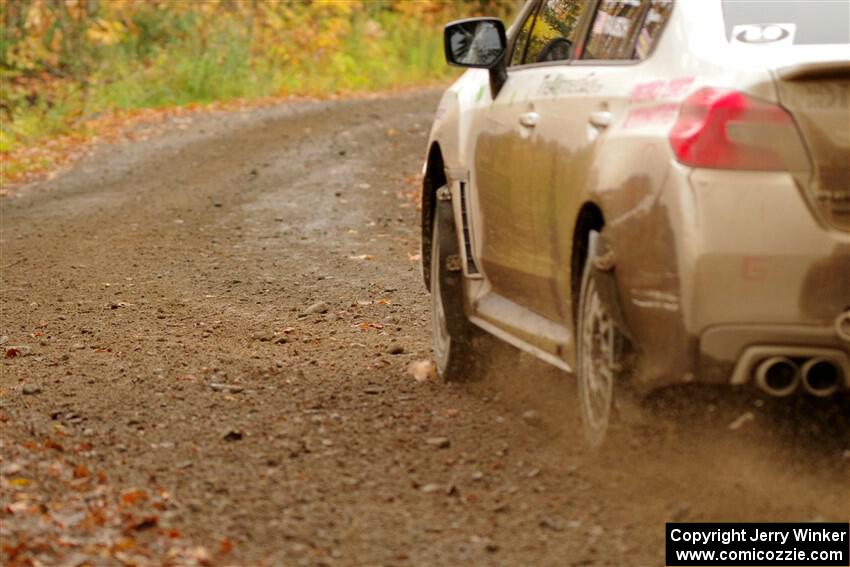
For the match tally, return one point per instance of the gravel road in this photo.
(206, 337)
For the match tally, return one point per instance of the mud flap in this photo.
(600, 262)
(451, 276)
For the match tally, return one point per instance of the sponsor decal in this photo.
(761, 34)
(613, 26)
(646, 115)
(558, 84)
(673, 89)
(753, 268)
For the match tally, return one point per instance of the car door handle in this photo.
(529, 119)
(600, 120)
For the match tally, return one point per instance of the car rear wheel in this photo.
(456, 341)
(599, 359)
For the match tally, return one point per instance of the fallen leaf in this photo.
(143, 524)
(133, 496)
(12, 352)
(124, 544)
(16, 507)
(51, 444)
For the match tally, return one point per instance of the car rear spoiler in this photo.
(839, 69)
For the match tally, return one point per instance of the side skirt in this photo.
(507, 337)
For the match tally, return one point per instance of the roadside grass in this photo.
(43, 117)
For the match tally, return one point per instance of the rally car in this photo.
(645, 193)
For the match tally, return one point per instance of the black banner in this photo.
(759, 545)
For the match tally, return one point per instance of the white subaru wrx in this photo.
(646, 192)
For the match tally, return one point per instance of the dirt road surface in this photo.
(169, 396)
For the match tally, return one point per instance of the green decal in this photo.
(480, 94)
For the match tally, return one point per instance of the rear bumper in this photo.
(729, 353)
(736, 260)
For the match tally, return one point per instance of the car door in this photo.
(577, 104)
(512, 169)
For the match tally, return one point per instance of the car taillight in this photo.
(725, 129)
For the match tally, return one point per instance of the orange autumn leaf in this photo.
(135, 496)
(124, 544)
(51, 444)
(143, 524)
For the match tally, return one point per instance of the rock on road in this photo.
(206, 338)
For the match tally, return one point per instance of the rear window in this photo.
(788, 22)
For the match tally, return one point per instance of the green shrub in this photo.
(62, 63)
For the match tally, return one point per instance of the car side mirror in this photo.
(478, 43)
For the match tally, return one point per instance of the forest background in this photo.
(75, 70)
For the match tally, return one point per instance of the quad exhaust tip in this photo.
(778, 376)
(821, 377)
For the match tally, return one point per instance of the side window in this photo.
(653, 23)
(615, 29)
(554, 32)
(626, 29)
(522, 38)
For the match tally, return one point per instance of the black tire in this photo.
(600, 353)
(457, 342)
